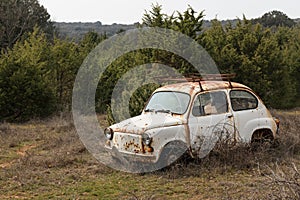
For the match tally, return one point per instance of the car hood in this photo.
(147, 121)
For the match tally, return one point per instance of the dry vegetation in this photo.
(46, 160)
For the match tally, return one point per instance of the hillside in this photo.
(76, 30)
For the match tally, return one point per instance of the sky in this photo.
(131, 11)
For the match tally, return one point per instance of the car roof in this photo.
(195, 87)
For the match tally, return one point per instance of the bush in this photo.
(23, 94)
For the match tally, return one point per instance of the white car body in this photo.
(242, 116)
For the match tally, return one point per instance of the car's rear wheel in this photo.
(263, 137)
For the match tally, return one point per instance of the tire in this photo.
(262, 138)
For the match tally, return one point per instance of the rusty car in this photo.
(183, 117)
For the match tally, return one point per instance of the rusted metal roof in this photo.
(194, 87)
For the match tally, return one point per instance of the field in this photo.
(46, 160)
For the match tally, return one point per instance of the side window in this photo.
(210, 103)
(242, 100)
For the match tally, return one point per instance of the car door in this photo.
(209, 121)
(245, 109)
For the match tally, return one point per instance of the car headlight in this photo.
(146, 139)
(109, 133)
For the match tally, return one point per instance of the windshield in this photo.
(169, 102)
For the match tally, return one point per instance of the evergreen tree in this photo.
(291, 51)
(255, 54)
(19, 17)
(25, 92)
(275, 19)
(66, 60)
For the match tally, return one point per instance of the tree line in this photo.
(38, 68)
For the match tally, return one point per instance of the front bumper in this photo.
(129, 156)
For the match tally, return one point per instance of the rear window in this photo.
(242, 100)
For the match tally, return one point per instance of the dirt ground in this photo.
(46, 160)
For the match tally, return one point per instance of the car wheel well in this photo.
(262, 135)
(175, 143)
(171, 152)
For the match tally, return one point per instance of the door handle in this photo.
(229, 116)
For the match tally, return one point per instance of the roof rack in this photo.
(201, 77)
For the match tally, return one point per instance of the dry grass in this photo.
(46, 159)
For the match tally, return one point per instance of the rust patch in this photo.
(133, 146)
(194, 87)
(149, 149)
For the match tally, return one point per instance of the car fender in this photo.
(257, 124)
(165, 135)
